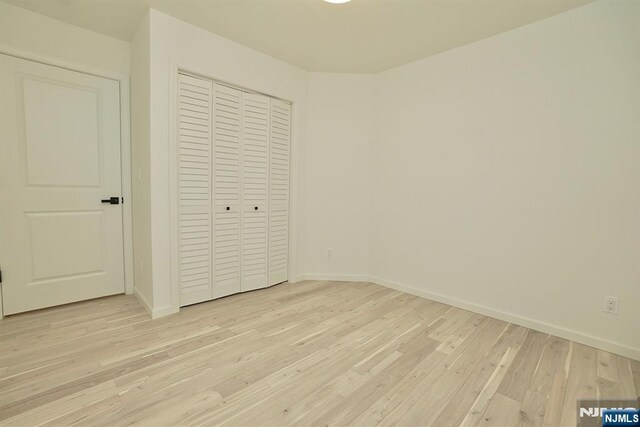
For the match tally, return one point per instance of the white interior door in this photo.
(255, 173)
(59, 158)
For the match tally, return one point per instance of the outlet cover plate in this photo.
(610, 305)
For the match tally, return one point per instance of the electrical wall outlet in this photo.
(329, 253)
(611, 305)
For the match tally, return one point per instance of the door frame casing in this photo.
(125, 144)
(175, 68)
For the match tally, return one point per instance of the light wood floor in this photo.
(316, 353)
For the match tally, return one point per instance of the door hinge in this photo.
(0, 276)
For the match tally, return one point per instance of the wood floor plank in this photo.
(555, 401)
(581, 382)
(534, 404)
(429, 407)
(466, 396)
(519, 376)
(64, 405)
(626, 385)
(480, 405)
(502, 411)
(313, 353)
(635, 369)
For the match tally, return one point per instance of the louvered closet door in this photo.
(194, 168)
(279, 154)
(226, 189)
(255, 174)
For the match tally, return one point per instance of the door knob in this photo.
(228, 208)
(111, 200)
(256, 208)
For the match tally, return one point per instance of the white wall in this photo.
(341, 123)
(32, 33)
(508, 174)
(176, 42)
(140, 155)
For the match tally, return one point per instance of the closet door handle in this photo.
(256, 208)
(228, 208)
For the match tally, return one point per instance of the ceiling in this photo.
(361, 36)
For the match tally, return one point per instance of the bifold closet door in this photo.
(227, 178)
(194, 189)
(255, 190)
(279, 155)
(234, 150)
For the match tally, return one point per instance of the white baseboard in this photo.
(163, 311)
(334, 277)
(153, 312)
(143, 301)
(582, 338)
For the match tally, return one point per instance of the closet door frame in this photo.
(176, 69)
